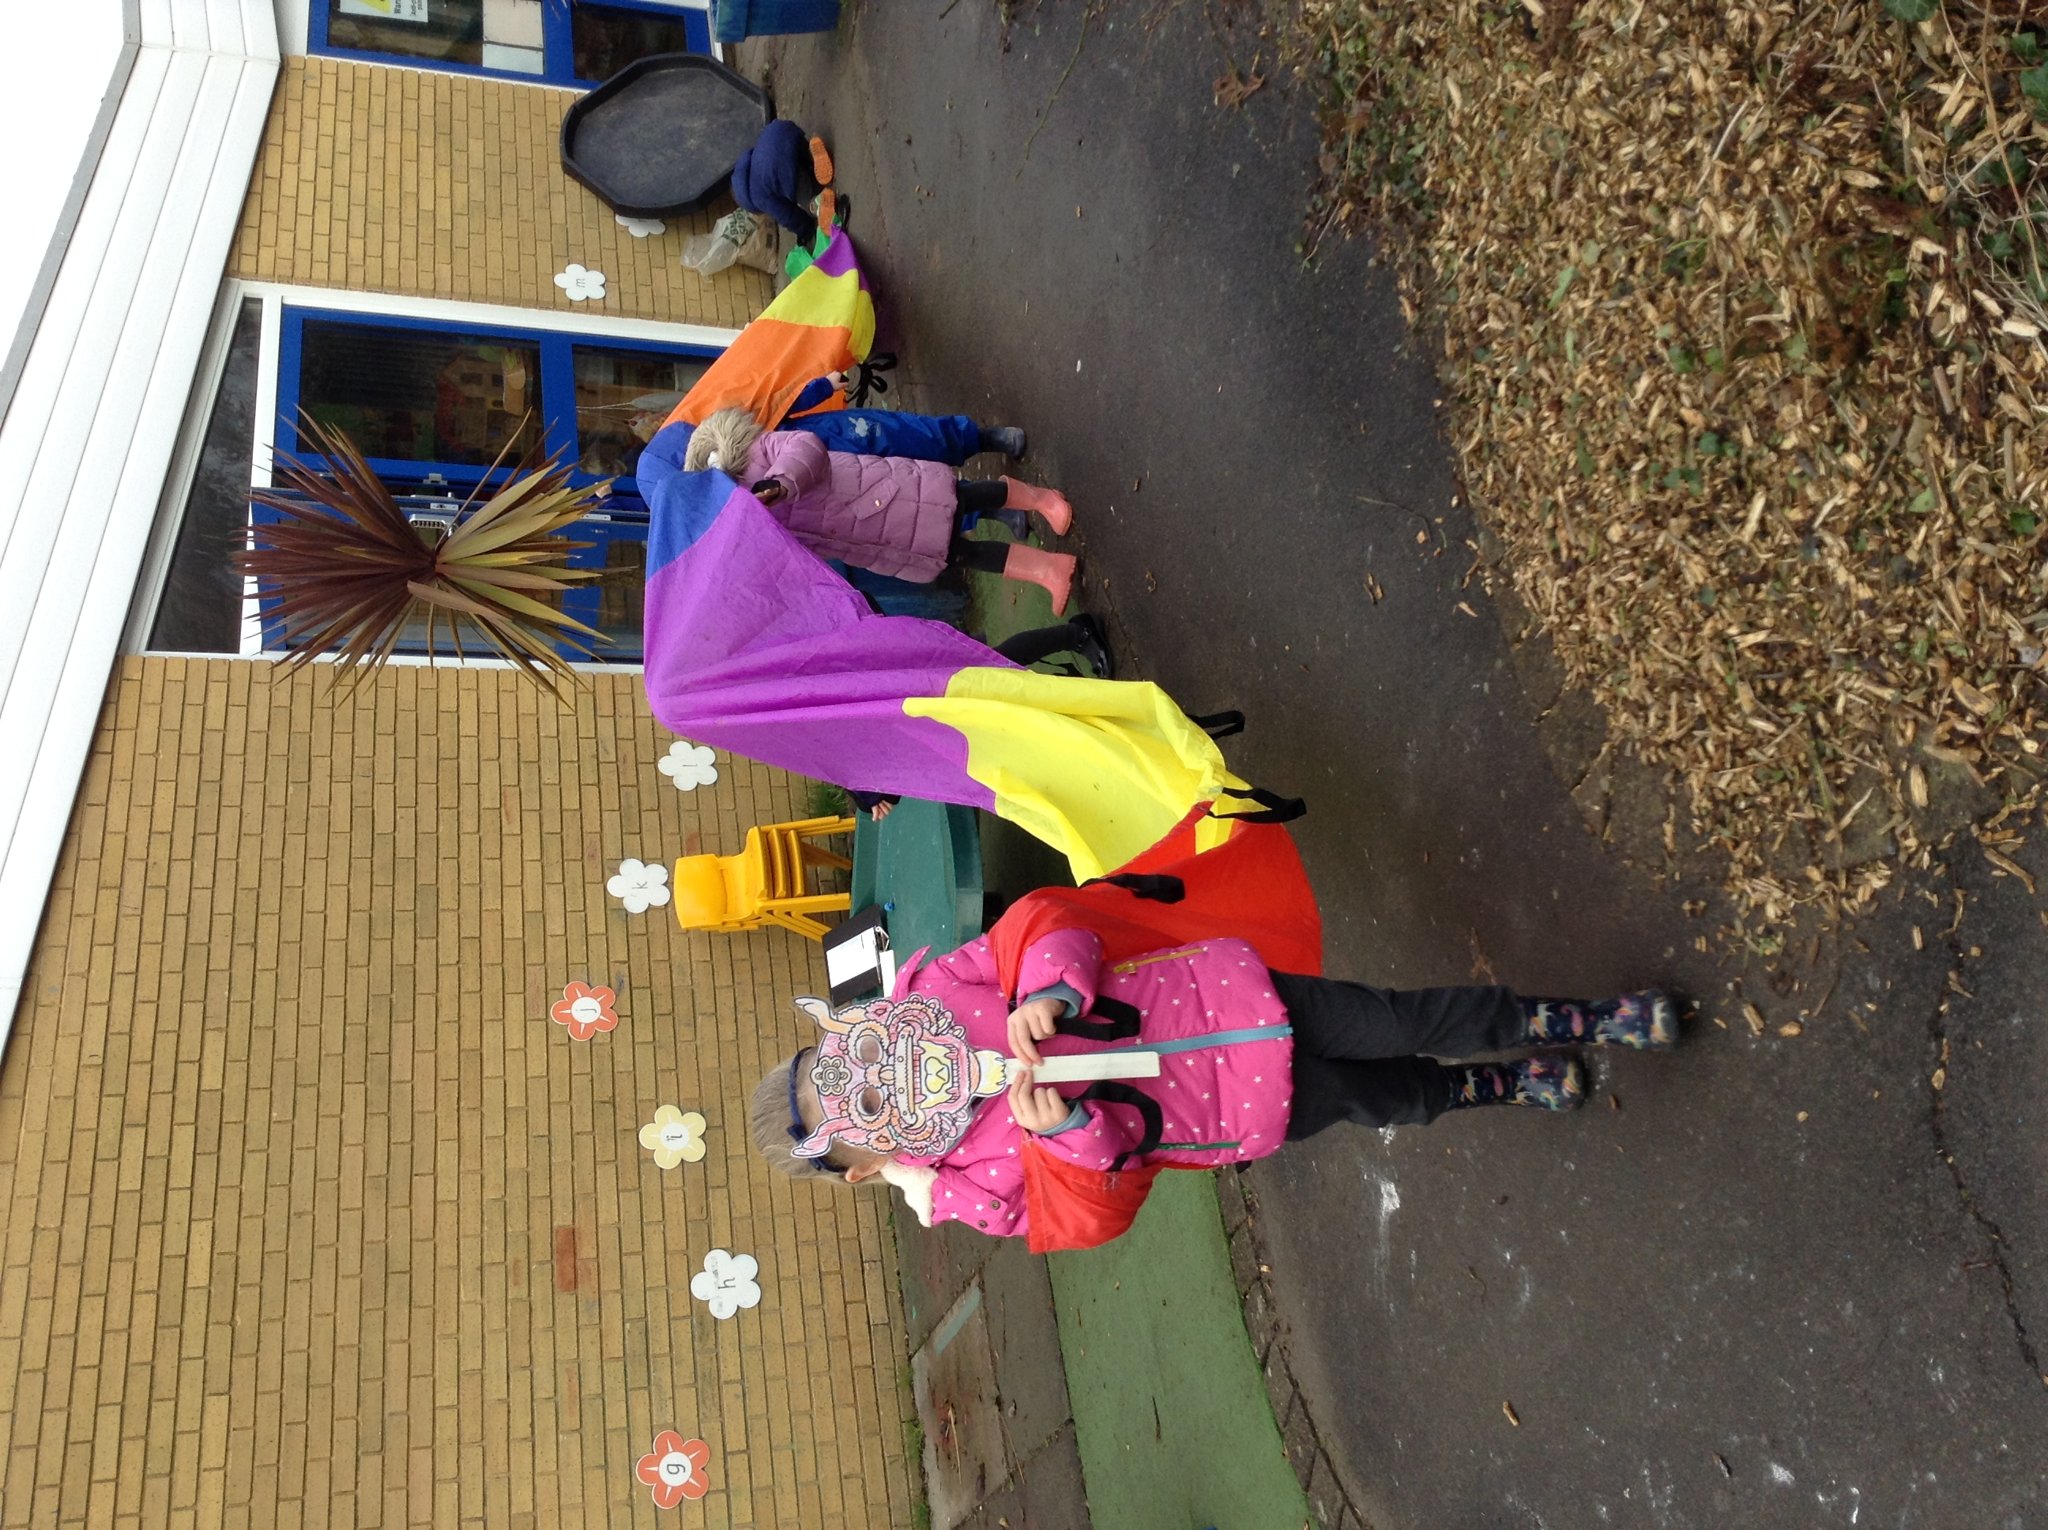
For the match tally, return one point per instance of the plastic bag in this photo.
(737, 237)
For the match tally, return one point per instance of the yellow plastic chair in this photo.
(766, 883)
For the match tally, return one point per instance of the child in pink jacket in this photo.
(1249, 1058)
(899, 516)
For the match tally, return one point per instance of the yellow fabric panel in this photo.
(1099, 769)
(829, 302)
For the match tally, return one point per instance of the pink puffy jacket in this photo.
(1226, 1079)
(893, 515)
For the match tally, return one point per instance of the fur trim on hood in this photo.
(723, 441)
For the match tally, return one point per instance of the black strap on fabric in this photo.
(1272, 808)
(1116, 1092)
(1218, 724)
(1119, 1022)
(1153, 887)
(869, 379)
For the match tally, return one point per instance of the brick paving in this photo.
(314, 1218)
(431, 184)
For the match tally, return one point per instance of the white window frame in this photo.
(274, 296)
(295, 31)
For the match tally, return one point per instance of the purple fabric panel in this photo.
(754, 646)
(838, 258)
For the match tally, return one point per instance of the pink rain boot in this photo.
(1049, 505)
(1050, 571)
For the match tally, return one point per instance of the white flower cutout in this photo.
(639, 886)
(673, 1136)
(640, 228)
(726, 1283)
(688, 765)
(580, 282)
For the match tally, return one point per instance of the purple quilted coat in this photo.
(892, 515)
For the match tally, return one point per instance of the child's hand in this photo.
(1030, 1024)
(768, 491)
(1036, 1110)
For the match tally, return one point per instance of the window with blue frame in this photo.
(433, 405)
(567, 42)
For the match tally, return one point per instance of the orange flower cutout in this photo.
(586, 1009)
(675, 1469)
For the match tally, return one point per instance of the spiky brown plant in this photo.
(350, 571)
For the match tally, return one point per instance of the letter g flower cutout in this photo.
(675, 1469)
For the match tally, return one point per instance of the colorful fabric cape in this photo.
(755, 646)
(1252, 887)
(822, 322)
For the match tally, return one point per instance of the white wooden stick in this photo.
(1083, 1067)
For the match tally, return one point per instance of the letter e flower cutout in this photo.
(580, 283)
(726, 1283)
(673, 1136)
(586, 1009)
(675, 1469)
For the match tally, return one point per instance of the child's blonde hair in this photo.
(768, 1121)
(728, 436)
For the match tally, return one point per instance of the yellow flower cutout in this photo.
(673, 1136)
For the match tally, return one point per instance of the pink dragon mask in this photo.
(895, 1075)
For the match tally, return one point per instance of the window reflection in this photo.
(606, 41)
(421, 395)
(622, 397)
(439, 31)
(621, 603)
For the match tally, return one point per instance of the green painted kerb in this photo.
(1170, 1411)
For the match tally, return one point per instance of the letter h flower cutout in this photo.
(726, 1284)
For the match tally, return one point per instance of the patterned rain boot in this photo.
(1647, 1021)
(1050, 571)
(1048, 505)
(1546, 1083)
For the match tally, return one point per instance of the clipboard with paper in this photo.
(858, 958)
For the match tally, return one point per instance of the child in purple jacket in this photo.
(1249, 1058)
(899, 516)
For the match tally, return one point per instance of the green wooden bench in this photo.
(924, 862)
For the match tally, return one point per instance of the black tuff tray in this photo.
(662, 135)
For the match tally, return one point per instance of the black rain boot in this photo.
(1092, 644)
(1007, 439)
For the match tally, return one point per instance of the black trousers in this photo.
(1355, 1048)
(979, 496)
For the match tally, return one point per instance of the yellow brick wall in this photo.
(378, 178)
(288, 1140)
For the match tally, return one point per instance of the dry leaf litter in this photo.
(1743, 305)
